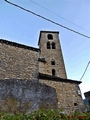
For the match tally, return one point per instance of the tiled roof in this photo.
(18, 45)
(58, 79)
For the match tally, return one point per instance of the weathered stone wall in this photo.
(68, 95)
(17, 62)
(26, 96)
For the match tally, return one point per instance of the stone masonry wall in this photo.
(25, 96)
(68, 95)
(16, 62)
(50, 55)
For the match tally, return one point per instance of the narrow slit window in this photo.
(53, 72)
(53, 45)
(53, 62)
(48, 45)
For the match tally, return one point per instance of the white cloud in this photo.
(85, 87)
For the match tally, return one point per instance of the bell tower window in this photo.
(53, 62)
(48, 45)
(50, 36)
(53, 45)
(53, 72)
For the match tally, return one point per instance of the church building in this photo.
(44, 64)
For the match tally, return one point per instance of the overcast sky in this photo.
(19, 26)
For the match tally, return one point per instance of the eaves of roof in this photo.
(57, 79)
(87, 94)
(18, 45)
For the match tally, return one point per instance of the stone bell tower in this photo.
(50, 56)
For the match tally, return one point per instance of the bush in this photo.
(46, 115)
